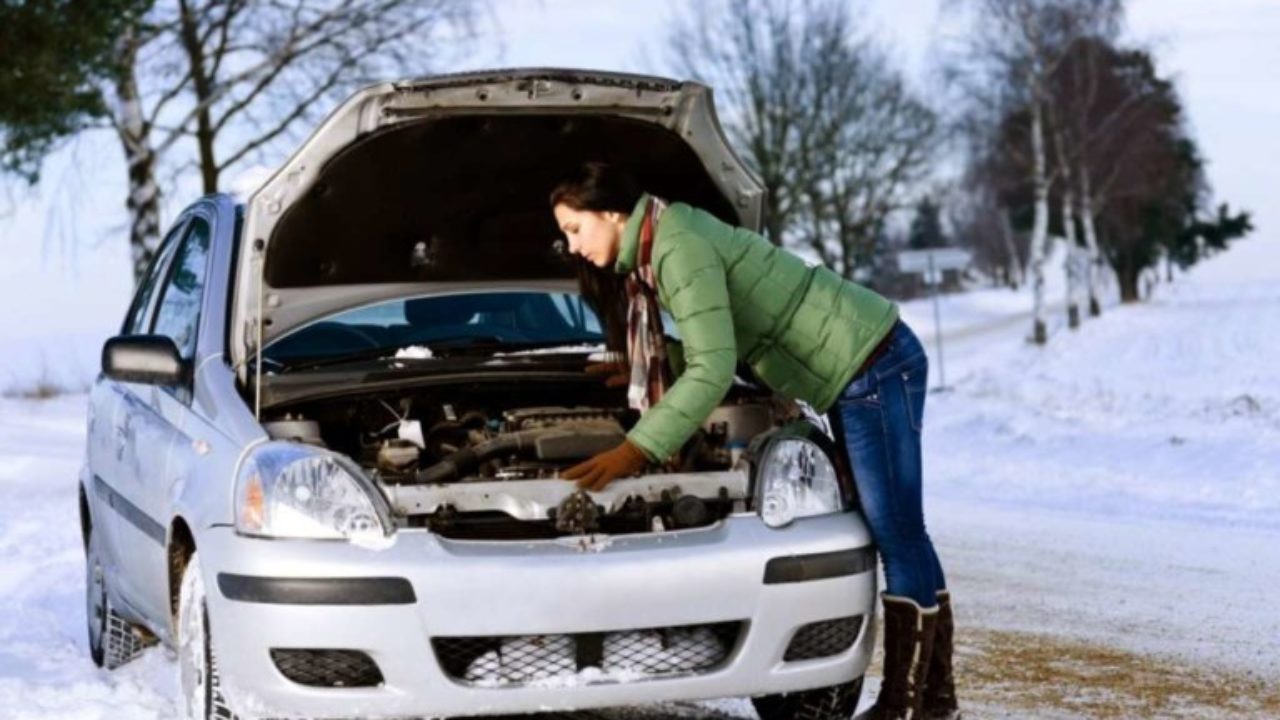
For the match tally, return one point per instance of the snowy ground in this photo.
(1107, 509)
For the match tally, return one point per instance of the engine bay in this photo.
(482, 460)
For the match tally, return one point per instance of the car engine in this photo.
(489, 467)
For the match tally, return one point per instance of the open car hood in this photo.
(422, 185)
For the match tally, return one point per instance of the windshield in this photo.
(493, 320)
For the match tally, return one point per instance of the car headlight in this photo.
(290, 490)
(795, 479)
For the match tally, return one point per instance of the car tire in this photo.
(837, 702)
(113, 640)
(202, 694)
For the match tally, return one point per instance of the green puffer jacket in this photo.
(733, 295)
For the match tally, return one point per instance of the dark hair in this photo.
(598, 187)
(601, 187)
(605, 293)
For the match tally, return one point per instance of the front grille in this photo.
(328, 668)
(618, 656)
(823, 639)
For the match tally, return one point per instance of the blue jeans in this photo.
(880, 414)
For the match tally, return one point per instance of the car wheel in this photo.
(202, 695)
(113, 641)
(830, 703)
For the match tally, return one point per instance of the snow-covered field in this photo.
(1108, 509)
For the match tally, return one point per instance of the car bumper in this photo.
(390, 604)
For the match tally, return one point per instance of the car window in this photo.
(575, 311)
(178, 315)
(505, 317)
(136, 322)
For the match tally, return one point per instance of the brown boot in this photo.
(940, 684)
(908, 643)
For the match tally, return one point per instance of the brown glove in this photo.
(617, 374)
(596, 473)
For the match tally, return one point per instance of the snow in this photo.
(414, 352)
(985, 309)
(555, 655)
(1121, 485)
(191, 634)
(574, 348)
(1117, 489)
(628, 657)
(45, 671)
(1169, 408)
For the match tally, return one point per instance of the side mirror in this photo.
(146, 359)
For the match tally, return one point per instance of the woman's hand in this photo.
(617, 374)
(596, 473)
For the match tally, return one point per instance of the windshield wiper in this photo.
(445, 345)
(381, 353)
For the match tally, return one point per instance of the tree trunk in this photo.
(1127, 275)
(203, 86)
(1040, 229)
(1128, 287)
(143, 200)
(1013, 271)
(1070, 257)
(1070, 261)
(1090, 242)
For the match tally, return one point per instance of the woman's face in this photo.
(594, 235)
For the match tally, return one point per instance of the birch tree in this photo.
(205, 86)
(1076, 89)
(1144, 190)
(1109, 107)
(1067, 212)
(1014, 49)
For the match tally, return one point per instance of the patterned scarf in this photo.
(646, 343)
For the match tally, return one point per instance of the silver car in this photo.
(323, 453)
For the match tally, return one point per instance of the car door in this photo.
(108, 428)
(154, 416)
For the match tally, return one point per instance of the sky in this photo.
(65, 273)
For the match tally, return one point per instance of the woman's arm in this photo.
(691, 276)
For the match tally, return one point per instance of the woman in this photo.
(806, 333)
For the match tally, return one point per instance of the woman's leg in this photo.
(881, 414)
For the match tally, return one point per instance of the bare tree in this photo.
(1074, 88)
(752, 52)
(234, 76)
(1067, 208)
(832, 128)
(129, 119)
(982, 224)
(1099, 133)
(1014, 50)
(983, 210)
(869, 145)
